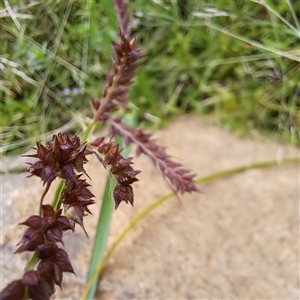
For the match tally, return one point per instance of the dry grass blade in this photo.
(254, 43)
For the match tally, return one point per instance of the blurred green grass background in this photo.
(234, 63)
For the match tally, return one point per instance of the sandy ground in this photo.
(238, 239)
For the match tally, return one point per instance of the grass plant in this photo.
(54, 56)
(64, 158)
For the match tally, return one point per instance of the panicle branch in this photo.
(179, 178)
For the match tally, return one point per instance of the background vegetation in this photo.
(235, 63)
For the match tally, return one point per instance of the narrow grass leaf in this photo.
(104, 221)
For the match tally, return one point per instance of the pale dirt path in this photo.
(238, 239)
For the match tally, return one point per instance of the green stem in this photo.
(163, 199)
(32, 262)
(88, 131)
(56, 203)
(26, 296)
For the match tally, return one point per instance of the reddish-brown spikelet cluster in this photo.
(42, 236)
(64, 157)
(59, 158)
(119, 167)
(76, 198)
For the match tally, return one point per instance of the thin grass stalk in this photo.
(88, 131)
(168, 196)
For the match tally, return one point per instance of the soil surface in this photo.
(238, 239)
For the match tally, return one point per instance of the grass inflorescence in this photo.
(65, 156)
